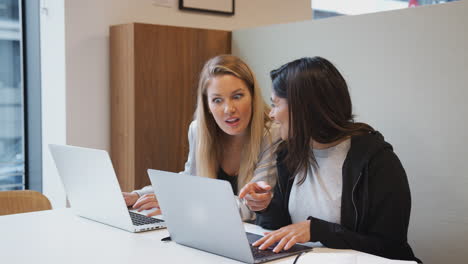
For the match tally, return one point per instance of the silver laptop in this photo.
(202, 213)
(93, 190)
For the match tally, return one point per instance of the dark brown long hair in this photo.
(319, 108)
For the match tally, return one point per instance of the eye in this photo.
(273, 105)
(216, 100)
(238, 96)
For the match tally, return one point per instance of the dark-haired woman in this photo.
(340, 183)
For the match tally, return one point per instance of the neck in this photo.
(237, 140)
(316, 145)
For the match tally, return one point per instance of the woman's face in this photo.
(230, 103)
(280, 114)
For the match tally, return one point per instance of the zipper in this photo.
(354, 203)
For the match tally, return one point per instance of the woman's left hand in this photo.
(287, 236)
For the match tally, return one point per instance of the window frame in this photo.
(30, 18)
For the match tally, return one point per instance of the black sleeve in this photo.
(275, 215)
(384, 229)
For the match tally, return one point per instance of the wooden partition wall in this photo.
(154, 76)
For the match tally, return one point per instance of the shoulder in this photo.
(368, 145)
(384, 167)
(271, 136)
(368, 149)
(193, 125)
(192, 133)
(193, 128)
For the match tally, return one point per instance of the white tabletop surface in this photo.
(59, 236)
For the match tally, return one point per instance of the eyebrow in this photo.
(236, 91)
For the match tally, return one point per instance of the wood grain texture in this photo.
(122, 82)
(15, 202)
(167, 63)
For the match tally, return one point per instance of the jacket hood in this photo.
(366, 146)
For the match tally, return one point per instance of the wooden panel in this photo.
(168, 61)
(122, 82)
(154, 77)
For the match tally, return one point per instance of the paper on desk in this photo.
(347, 258)
(328, 258)
(363, 258)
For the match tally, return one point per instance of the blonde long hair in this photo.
(209, 146)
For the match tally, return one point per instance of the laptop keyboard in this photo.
(259, 254)
(139, 219)
(265, 254)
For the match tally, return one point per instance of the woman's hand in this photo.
(146, 202)
(287, 236)
(257, 195)
(130, 198)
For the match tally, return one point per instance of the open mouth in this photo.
(232, 121)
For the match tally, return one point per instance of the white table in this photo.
(59, 236)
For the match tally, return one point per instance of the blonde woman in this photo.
(231, 138)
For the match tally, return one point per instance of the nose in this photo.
(229, 108)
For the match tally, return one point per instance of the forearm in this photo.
(145, 190)
(337, 236)
(275, 215)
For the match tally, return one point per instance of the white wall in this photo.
(77, 32)
(408, 75)
(87, 49)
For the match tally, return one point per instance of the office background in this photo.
(406, 70)
(75, 62)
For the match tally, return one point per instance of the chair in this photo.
(15, 202)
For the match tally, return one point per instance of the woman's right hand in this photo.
(146, 202)
(130, 198)
(257, 195)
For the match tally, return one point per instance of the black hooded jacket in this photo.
(375, 203)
